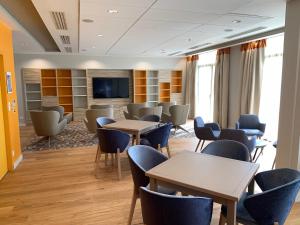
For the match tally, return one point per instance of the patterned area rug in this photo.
(76, 134)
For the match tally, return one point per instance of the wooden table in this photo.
(224, 180)
(135, 127)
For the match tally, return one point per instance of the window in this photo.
(271, 86)
(204, 85)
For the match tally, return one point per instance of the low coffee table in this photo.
(260, 146)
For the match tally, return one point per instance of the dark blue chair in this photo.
(101, 121)
(239, 136)
(228, 149)
(113, 142)
(279, 191)
(205, 131)
(151, 118)
(141, 159)
(251, 125)
(161, 209)
(158, 138)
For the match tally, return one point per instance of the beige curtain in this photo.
(191, 69)
(251, 72)
(221, 87)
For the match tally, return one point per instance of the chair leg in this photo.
(198, 145)
(97, 154)
(180, 127)
(49, 141)
(132, 141)
(168, 150)
(119, 164)
(112, 159)
(106, 158)
(202, 145)
(132, 207)
(159, 148)
(222, 220)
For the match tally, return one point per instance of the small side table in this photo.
(260, 145)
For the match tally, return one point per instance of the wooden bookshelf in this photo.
(165, 92)
(176, 82)
(64, 87)
(140, 86)
(48, 78)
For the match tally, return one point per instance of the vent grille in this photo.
(174, 53)
(246, 32)
(252, 16)
(68, 49)
(59, 20)
(65, 39)
(199, 46)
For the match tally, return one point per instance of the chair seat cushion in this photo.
(252, 132)
(164, 190)
(242, 213)
(216, 133)
(145, 141)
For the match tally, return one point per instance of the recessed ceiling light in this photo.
(236, 21)
(99, 35)
(228, 30)
(93, 46)
(112, 11)
(87, 20)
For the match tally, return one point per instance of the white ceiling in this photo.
(155, 27)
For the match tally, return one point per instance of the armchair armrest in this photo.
(126, 115)
(61, 125)
(237, 125)
(213, 126)
(262, 127)
(166, 118)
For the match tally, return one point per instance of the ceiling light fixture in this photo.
(236, 21)
(88, 20)
(112, 11)
(99, 35)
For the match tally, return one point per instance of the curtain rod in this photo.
(238, 41)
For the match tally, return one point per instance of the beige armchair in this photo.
(47, 124)
(166, 106)
(156, 110)
(133, 110)
(61, 111)
(93, 114)
(178, 116)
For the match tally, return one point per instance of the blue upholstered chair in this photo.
(158, 138)
(101, 121)
(152, 118)
(113, 142)
(251, 125)
(240, 136)
(161, 209)
(228, 149)
(141, 159)
(279, 191)
(205, 131)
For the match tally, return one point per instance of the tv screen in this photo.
(110, 87)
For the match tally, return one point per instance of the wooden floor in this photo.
(64, 187)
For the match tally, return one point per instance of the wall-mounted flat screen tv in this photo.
(110, 87)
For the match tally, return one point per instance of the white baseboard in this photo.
(17, 162)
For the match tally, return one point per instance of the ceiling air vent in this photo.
(251, 16)
(65, 39)
(246, 32)
(174, 53)
(68, 49)
(199, 46)
(59, 20)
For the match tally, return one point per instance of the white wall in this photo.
(88, 62)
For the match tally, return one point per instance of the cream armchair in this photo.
(156, 110)
(92, 115)
(178, 116)
(133, 110)
(47, 124)
(166, 106)
(61, 111)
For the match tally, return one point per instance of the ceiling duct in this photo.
(65, 39)
(246, 32)
(68, 49)
(174, 53)
(59, 20)
(199, 46)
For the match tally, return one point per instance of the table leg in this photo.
(137, 136)
(231, 212)
(251, 186)
(153, 184)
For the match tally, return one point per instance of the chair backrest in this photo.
(101, 121)
(159, 136)
(249, 121)
(228, 149)
(58, 108)
(101, 107)
(152, 118)
(161, 209)
(274, 205)
(166, 106)
(92, 115)
(240, 136)
(45, 123)
(202, 132)
(111, 140)
(133, 109)
(155, 110)
(141, 159)
(179, 114)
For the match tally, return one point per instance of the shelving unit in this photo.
(64, 88)
(140, 86)
(48, 78)
(152, 87)
(165, 92)
(79, 87)
(176, 81)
